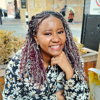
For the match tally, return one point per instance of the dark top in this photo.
(74, 88)
(0, 12)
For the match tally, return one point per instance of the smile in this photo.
(57, 47)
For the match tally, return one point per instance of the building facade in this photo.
(9, 6)
(35, 6)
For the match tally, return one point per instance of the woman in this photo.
(71, 16)
(48, 67)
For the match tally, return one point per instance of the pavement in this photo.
(12, 24)
(75, 26)
(11, 20)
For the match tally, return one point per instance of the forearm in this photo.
(69, 72)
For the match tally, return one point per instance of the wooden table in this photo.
(2, 79)
(90, 60)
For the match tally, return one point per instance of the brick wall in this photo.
(10, 9)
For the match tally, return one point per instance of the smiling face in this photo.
(50, 37)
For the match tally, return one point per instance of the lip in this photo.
(55, 47)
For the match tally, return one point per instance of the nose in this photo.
(55, 38)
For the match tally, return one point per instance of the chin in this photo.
(54, 54)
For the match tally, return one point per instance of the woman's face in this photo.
(51, 37)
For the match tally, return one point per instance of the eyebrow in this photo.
(61, 28)
(51, 30)
(48, 30)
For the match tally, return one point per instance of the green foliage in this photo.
(9, 45)
(79, 46)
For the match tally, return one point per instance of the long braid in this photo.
(32, 55)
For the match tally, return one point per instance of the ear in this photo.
(35, 37)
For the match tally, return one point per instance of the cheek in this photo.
(43, 41)
(64, 38)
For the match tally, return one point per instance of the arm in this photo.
(75, 89)
(14, 88)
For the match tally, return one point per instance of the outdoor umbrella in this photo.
(70, 8)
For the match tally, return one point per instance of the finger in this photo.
(59, 55)
(53, 62)
(53, 58)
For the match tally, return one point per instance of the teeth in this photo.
(55, 46)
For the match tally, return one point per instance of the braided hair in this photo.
(31, 56)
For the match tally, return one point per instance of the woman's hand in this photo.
(62, 61)
(59, 95)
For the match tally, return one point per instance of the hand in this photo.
(59, 95)
(64, 64)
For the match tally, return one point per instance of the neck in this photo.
(46, 60)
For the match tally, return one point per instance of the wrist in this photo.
(69, 74)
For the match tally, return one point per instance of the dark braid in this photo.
(32, 55)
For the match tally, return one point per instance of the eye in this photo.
(60, 32)
(47, 34)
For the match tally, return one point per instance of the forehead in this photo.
(51, 21)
